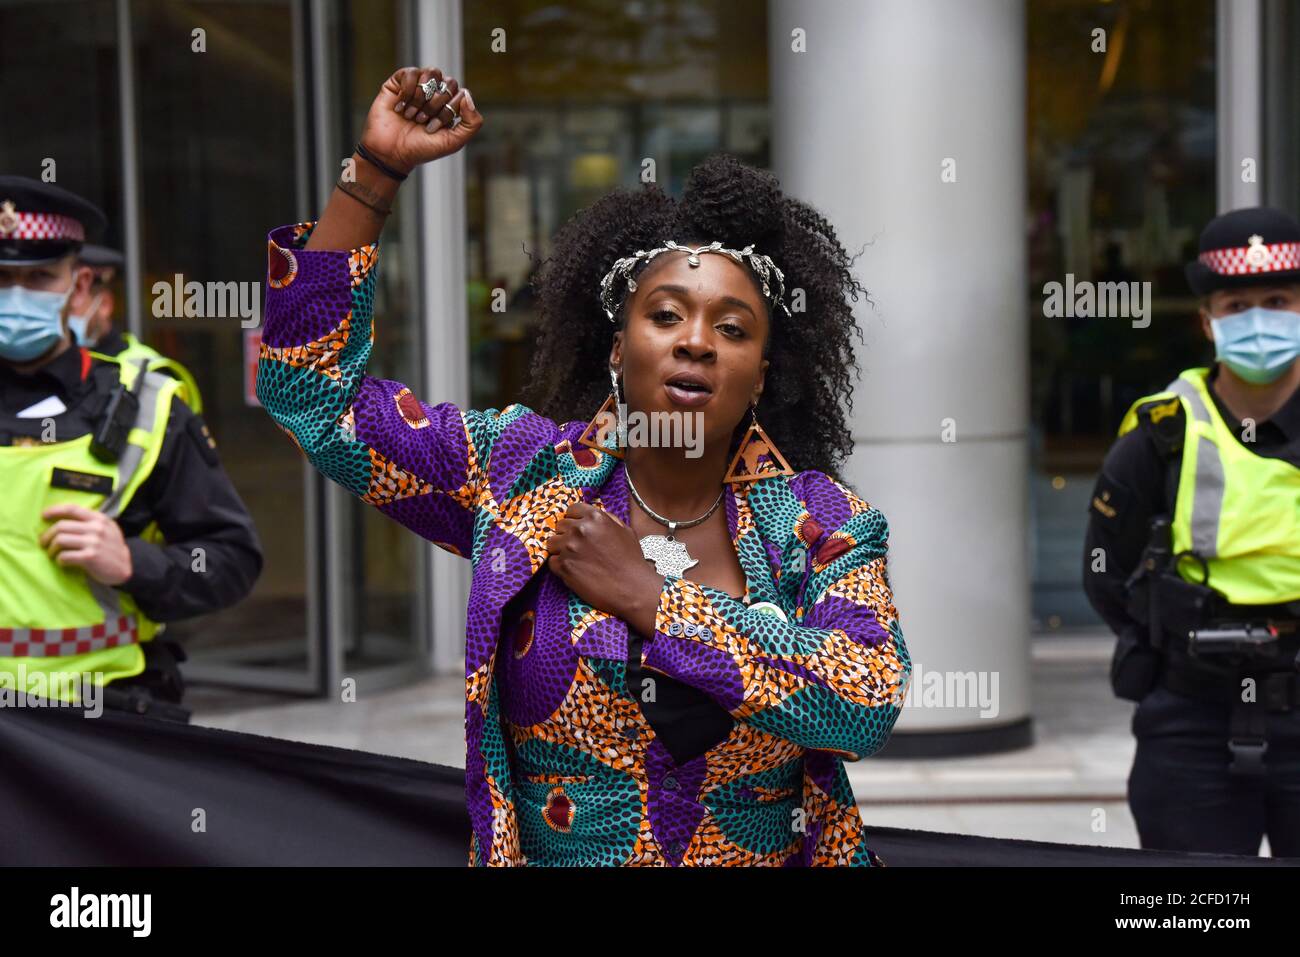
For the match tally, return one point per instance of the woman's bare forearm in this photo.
(417, 117)
(347, 222)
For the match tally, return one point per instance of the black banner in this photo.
(122, 789)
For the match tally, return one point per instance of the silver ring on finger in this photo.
(432, 87)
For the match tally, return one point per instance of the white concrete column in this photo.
(439, 29)
(1239, 102)
(889, 96)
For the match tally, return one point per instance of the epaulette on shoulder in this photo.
(1164, 421)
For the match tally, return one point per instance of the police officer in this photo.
(91, 324)
(116, 516)
(1192, 556)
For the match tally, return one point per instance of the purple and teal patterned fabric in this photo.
(561, 766)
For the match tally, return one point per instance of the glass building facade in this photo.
(1121, 161)
(198, 126)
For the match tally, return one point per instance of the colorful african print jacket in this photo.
(561, 767)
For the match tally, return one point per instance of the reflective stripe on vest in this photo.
(136, 350)
(128, 463)
(1207, 503)
(58, 642)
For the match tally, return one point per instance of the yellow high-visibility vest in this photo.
(1238, 511)
(136, 350)
(56, 621)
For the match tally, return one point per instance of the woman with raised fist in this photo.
(671, 647)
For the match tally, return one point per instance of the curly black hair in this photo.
(807, 391)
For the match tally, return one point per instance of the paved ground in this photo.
(1068, 787)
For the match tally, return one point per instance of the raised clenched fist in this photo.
(405, 129)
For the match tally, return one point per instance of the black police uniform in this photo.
(111, 343)
(187, 494)
(1183, 791)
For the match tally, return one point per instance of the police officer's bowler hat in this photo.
(101, 257)
(1246, 247)
(41, 223)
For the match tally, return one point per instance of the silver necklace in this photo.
(669, 555)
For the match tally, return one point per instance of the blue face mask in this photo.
(30, 322)
(1258, 344)
(80, 325)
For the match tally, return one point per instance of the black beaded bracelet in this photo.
(379, 164)
(382, 211)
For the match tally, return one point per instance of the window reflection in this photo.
(215, 176)
(1121, 168)
(380, 560)
(81, 68)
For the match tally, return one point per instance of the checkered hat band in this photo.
(1244, 260)
(41, 226)
(57, 642)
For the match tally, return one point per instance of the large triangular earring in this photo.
(757, 457)
(607, 419)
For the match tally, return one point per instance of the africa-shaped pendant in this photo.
(668, 554)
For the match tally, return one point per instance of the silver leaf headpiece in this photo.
(770, 278)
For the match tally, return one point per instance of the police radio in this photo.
(1250, 638)
(120, 412)
(1256, 640)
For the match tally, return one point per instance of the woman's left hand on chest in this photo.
(599, 558)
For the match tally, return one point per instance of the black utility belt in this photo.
(1277, 691)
